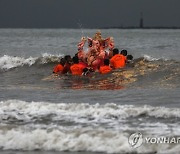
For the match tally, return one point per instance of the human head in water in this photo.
(75, 60)
(115, 51)
(68, 58)
(129, 57)
(124, 52)
(62, 61)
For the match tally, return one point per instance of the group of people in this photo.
(101, 57)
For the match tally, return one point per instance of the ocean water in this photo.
(40, 113)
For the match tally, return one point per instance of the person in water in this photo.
(59, 68)
(118, 60)
(124, 52)
(106, 68)
(129, 58)
(76, 68)
(67, 64)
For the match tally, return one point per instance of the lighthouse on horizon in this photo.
(141, 23)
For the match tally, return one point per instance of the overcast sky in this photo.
(88, 13)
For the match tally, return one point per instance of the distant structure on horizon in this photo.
(141, 23)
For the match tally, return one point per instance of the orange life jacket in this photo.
(105, 69)
(76, 69)
(58, 68)
(118, 61)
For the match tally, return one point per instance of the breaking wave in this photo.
(163, 72)
(95, 112)
(94, 140)
(32, 134)
(9, 62)
(150, 58)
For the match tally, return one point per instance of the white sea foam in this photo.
(61, 140)
(150, 58)
(9, 62)
(46, 57)
(79, 137)
(84, 139)
(83, 111)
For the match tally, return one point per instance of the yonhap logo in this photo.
(136, 140)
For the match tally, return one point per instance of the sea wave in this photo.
(80, 112)
(150, 58)
(61, 140)
(32, 134)
(8, 62)
(163, 72)
(83, 139)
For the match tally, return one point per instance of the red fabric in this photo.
(76, 69)
(58, 68)
(118, 61)
(105, 69)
